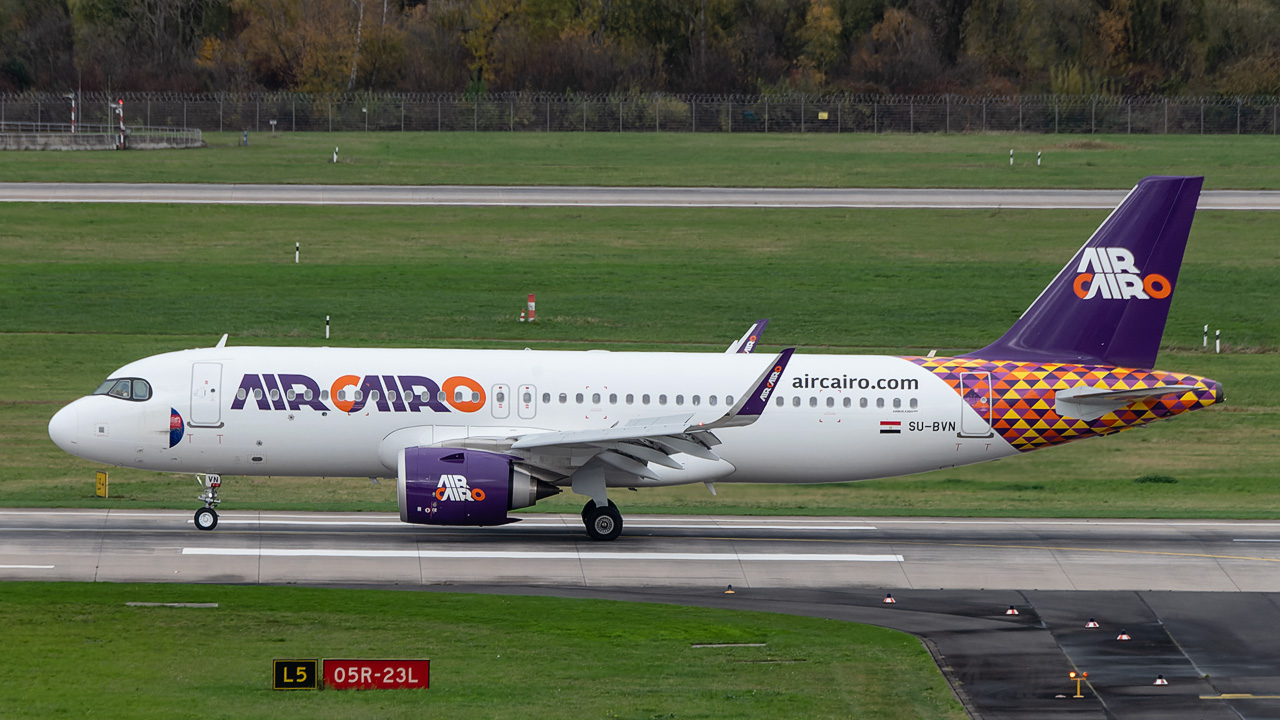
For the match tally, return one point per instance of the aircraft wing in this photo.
(1089, 403)
(633, 446)
(747, 342)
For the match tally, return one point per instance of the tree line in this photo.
(1163, 47)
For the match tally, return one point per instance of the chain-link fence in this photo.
(513, 112)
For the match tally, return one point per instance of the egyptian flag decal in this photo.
(890, 427)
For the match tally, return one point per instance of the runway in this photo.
(667, 551)
(551, 196)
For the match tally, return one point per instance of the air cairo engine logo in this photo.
(455, 487)
(1109, 273)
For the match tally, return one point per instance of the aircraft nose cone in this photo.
(63, 427)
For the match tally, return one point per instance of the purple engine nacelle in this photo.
(448, 486)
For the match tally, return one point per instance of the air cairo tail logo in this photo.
(1109, 273)
(455, 487)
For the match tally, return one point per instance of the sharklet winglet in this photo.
(750, 406)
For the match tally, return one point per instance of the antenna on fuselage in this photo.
(222, 342)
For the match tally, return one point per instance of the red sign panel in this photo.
(376, 674)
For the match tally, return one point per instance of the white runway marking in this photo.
(1253, 540)
(533, 555)
(26, 567)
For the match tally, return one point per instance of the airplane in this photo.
(470, 435)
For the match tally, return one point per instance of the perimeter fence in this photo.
(513, 112)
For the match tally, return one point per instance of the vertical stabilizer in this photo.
(1109, 305)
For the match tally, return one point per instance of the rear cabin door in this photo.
(206, 392)
(976, 393)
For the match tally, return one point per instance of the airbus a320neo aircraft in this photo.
(473, 434)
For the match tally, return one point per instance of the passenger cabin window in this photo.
(125, 389)
(728, 400)
(595, 398)
(613, 398)
(630, 399)
(578, 398)
(831, 402)
(563, 398)
(795, 401)
(546, 398)
(813, 401)
(848, 402)
(662, 399)
(780, 401)
(879, 402)
(679, 399)
(644, 399)
(897, 403)
(711, 400)
(914, 404)
(696, 400)
(862, 403)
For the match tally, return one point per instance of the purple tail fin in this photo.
(1108, 306)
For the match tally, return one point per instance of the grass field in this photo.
(675, 159)
(76, 649)
(85, 289)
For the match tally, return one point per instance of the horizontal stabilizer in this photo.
(1088, 403)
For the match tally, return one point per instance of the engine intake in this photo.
(448, 486)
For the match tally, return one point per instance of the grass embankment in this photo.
(747, 160)
(76, 649)
(85, 289)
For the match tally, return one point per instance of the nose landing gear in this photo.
(207, 516)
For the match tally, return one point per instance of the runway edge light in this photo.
(1124, 635)
(1092, 623)
(1160, 680)
(1011, 611)
(888, 599)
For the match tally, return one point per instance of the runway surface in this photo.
(669, 551)
(1199, 598)
(602, 196)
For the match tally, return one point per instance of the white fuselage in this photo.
(838, 426)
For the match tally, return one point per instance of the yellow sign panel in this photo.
(823, 115)
(100, 484)
(294, 675)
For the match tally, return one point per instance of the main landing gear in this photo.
(603, 523)
(207, 516)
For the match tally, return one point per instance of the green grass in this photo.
(86, 289)
(755, 160)
(77, 649)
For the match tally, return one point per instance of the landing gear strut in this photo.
(207, 516)
(603, 523)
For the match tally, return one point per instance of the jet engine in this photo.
(448, 486)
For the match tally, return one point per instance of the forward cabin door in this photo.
(206, 392)
(976, 393)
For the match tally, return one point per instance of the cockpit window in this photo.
(125, 389)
